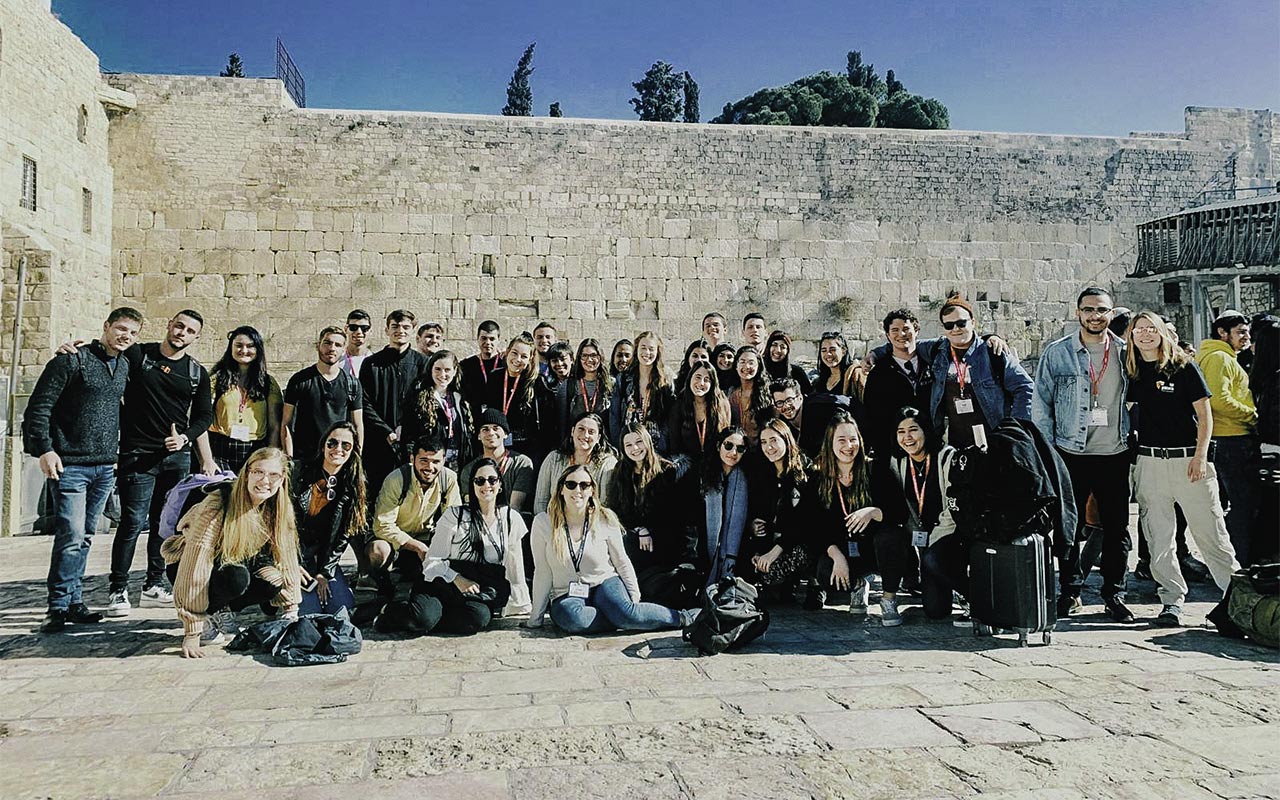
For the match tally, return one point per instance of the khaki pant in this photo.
(1161, 482)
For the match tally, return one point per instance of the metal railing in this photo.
(290, 75)
(1210, 196)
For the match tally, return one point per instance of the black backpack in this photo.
(730, 618)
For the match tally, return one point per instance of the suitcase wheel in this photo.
(1046, 637)
(1022, 639)
(981, 630)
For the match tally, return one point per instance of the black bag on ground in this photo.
(495, 589)
(310, 639)
(671, 586)
(730, 618)
(1012, 586)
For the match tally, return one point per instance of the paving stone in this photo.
(525, 718)
(1158, 712)
(845, 730)
(739, 737)
(1256, 678)
(604, 781)
(276, 765)
(1245, 787)
(119, 701)
(354, 728)
(666, 710)
(881, 696)
(961, 693)
(397, 758)
(535, 680)
(888, 774)
(1012, 723)
(1115, 759)
(473, 786)
(114, 776)
(988, 768)
(792, 702)
(608, 712)
(759, 778)
(1247, 749)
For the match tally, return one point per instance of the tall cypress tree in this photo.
(519, 95)
(691, 110)
(234, 69)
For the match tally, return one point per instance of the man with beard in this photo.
(167, 405)
(320, 395)
(1079, 406)
(385, 376)
(409, 503)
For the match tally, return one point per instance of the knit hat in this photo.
(492, 416)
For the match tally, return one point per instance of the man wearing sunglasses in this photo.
(359, 323)
(1079, 407)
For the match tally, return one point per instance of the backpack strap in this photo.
(406, 474)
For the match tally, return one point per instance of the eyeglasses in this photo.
(956, 323)
(261, 474)
(481, 480)
(575, 485)
(358, 328)
(330, 483)
(334, 444)
(730, 447)
(1090, 310)
(590, 356)
(786, 401)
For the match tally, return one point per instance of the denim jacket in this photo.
(1061, 406)
(996, 401)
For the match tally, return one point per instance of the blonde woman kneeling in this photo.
(580, 561)
(234, 549)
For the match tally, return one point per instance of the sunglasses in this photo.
(481, 480)
(331, 483)
(575, 485)
(956, 323)
(729, 447)
(334, 444)
(358, 328)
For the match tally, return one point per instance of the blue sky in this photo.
(1083, 67)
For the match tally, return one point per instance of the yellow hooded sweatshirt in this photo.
(1231, 402)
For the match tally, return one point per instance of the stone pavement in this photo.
(824, 706)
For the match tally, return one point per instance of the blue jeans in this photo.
(80, 495)
(340, 596)
(145, 481)
(607, 608)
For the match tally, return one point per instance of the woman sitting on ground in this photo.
(581, 569)
(910, 488)
(329, 502)
(584, 446)
(474, 567)
(234, 549)
(724, 503)
(646, 498)
(783, 546)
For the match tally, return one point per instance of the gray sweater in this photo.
(75, 408)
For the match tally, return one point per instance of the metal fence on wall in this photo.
(288, 72)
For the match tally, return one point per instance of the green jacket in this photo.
(1231, 401)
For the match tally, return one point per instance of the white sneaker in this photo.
(156, 597)
(858, 596)
(210, 633)
(225, 622)
(118, 604)
(889, 616)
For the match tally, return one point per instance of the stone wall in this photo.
(48, 79)
(231, 200)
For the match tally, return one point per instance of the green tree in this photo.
(234, 69)
(892, 85)
(659, 94)
(555, 110)
(691, 111)
(843, 104)
(519, 95)
(906, 110)
(863, 75)
(783, 105)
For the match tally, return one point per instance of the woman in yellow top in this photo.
(247, 404)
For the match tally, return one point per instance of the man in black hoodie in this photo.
(385, 376)
(72, 424)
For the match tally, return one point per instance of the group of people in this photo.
(593, 485)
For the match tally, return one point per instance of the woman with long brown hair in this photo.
(330, 501)
(750, 401)
(643, 392)
(434, 402)
(236, 548)
(699, 414)
(511, 391)
(590, 382)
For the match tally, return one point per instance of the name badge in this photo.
(964, 406)
(1097, 418)
(579, 589)
(980, 436)
(241, 433)
(853, 549)
(1167, 388)
(919, 538)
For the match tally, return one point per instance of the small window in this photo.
(82, 124)
(86, 221)
(28, 200)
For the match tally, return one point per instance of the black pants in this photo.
(1107, 479)
(233, 587)
(1236, 460)
(435, 606)
(944, 569)
(143, 482)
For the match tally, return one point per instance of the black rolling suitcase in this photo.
(1012, 587)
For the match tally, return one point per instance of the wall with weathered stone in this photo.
(233, 201)
(47, 75)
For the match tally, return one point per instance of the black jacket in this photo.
(888, 391)
(75, 408)
(385, 377)
(660, 508)
(323, 538)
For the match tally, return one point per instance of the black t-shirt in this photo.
(162, 392)
(1166, 411)
(318, 403)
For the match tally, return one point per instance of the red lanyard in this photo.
(244, 397)
(448, 410)
(962, 370)
(582, 387)
(1095, 381)
(485, 372)
(922, 486)
(507, 398)
(844, 509)
(504, 463)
